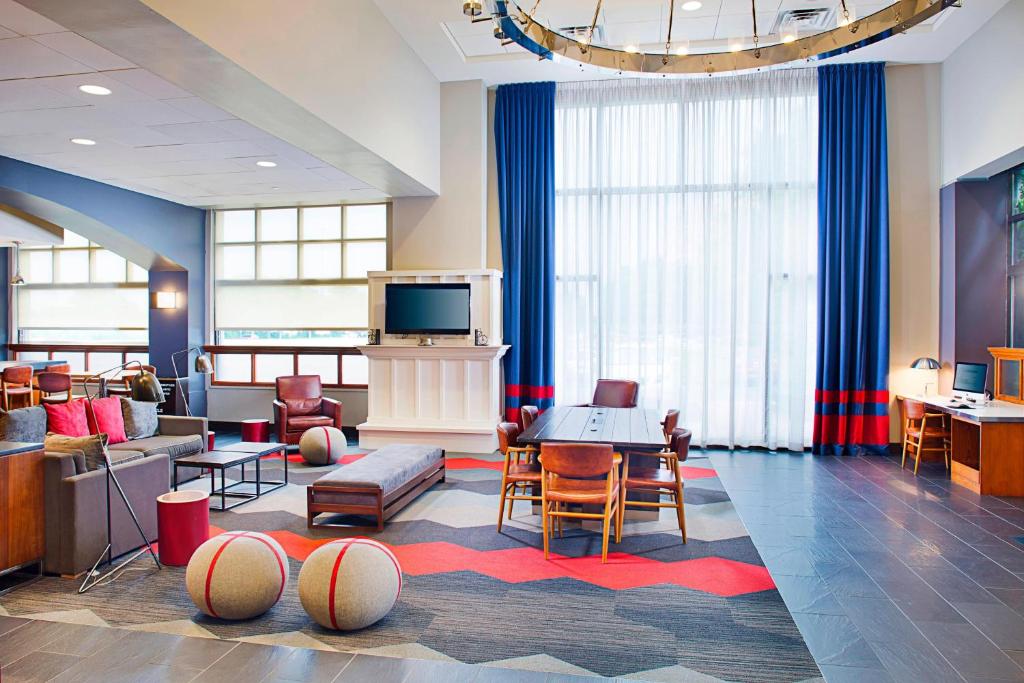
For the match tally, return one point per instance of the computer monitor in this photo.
(969, 380)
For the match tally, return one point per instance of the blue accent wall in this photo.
(175, 232)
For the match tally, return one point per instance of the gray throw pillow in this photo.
(23, 424)
(92, 447)
(139, 418)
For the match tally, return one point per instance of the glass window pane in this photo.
(271, 366)
(141, 357)
(362, 257)
(108, 266)
(278, 262)
(73, 335)
(33, 355)
(1017, 200)
(75, 359)
(36, 266)
(236, 263)
(1016, 238)
(321, 261)
(72, 266)
(237, 226)
(73, 240)
(355, 369)
(368, 220)
(98, 362)
(232, 367)
(325, 366)
(1009, 378)
(137, 273)
(321, 223)
(279, 225)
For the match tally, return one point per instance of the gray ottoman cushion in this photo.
(388, 468)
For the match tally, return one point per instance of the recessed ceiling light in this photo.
(83, 141)
(266, 164)
(632, 49)
(692, 5)
(94, 89)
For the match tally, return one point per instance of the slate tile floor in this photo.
(889, 577)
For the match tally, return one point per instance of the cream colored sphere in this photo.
(350, 583)
(322, 445)
(237, 575)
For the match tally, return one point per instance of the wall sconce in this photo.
(165, 300)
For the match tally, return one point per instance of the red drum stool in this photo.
(257, 429)
(183, 524)
(211, 437)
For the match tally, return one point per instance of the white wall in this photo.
(357, 74)
(449, 231)
(983, 95)
(233, 404)
(912, 98)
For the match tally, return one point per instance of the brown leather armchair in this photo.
(300, 405)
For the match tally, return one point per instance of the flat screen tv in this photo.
(426, 308)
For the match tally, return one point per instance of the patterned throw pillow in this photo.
(139, 418)
(93, 447)
(23, 424)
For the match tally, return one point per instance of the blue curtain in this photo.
(851, 410)
(524, 137)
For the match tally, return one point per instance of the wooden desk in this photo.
(633, 429)
(987, 444)
(22, 539)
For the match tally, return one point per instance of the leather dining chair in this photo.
(664, 477)
(669, 424)
(54, 387)
(520, 469)
(529, 414)
(921, 427)
(569, 476)
(615, 393)
(301, 404)
(16, 386)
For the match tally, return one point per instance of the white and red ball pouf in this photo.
(237, 575)
(322, 445)
(350, 583)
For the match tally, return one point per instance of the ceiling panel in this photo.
(24, 21)
(81, 50)
(25, 58)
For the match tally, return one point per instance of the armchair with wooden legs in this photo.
(520, 469)
(569, 477)
(665, 478)
(921, 427)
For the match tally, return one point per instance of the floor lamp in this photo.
(203, 366)
(144, 387)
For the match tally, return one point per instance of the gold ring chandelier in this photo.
(514, 24)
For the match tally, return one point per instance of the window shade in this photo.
(63, 308)
(291, 306)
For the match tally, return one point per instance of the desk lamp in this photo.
(925, 363)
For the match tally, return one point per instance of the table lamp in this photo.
(925, 363)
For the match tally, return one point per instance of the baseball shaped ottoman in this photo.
(322, 445)
(350, 583)
(237, 575)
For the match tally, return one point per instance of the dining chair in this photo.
(615, 393)
(669, 424)
(529, 414)
(16, 386)
(920, 427)
(663, 478)
(520, 469)
(54, 387)
(569, 476)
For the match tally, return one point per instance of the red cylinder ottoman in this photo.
(183, 524)
(257, 429)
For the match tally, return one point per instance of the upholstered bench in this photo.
(377, 485)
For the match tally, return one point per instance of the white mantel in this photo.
(448, 394)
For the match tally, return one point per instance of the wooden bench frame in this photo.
(324, 498)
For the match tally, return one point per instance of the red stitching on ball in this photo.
(213, 564)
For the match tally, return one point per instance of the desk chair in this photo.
(569, 474)
(920, 427)
(16, 386)
(664, 477)
(520, 469)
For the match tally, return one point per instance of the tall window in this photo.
(686, 249)
(295, 276)
(79, 293)
(1016, 265)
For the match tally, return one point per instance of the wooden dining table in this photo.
(626, 429)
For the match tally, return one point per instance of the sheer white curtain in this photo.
(686, 249)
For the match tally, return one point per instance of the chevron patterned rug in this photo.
(658, 611)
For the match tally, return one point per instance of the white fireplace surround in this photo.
(448, 394)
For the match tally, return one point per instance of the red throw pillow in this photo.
(106, 418)
(67, 418)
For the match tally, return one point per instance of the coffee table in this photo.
(236, 455)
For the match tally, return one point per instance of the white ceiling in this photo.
(456, 49)
(152, 136)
